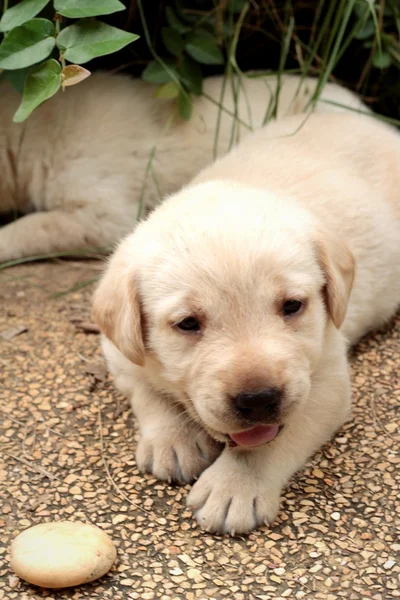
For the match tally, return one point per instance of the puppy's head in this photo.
(224, 297)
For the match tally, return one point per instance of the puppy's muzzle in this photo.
(258, 407)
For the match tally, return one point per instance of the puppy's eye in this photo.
(190, 324)
(291, 307)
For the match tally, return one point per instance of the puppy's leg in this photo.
(62, 230)
(171, 447)
(241, 490)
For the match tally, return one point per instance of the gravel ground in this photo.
(67, 452)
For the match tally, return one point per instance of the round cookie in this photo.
(62, 554)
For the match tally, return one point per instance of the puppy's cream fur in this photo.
(80, 167)
(303, 209)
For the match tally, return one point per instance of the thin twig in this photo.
(41, 420)
(28, 432)
(33, 466)
(81, 253)
(54, 431)
(13, 419)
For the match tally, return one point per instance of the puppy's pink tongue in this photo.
(256, 436)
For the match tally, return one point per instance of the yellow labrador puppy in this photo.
(227, 314)
(89, 161)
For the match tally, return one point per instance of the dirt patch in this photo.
(67, 443)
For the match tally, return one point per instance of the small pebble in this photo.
(62, 554)
(335, 516)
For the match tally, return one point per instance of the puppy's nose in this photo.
(257, 406)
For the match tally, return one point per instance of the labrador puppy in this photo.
(90, 161)
(227, 314)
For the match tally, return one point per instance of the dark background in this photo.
(260, 42)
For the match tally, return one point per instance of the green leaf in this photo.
(367, 31)
(156, 72)
(17, 78)
(173, 41)
(175, 22)
(86, 40)
(228, 29)
(203, 32)
(191, 75)
(78, 9)
(381, 60)
(185, 105)
(73, 74)
(41, 84)
(167, 91)
(361, 8)
(20, 13)
(27, 44)
(184, 14)
(204, 50)
(390, 11)
(236, 6)
(387, 39)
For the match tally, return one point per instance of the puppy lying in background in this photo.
(227, 313)
(81, 170)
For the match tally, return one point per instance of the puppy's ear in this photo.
(117, 312)
(338, 265)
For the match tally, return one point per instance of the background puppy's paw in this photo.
(230, 498)
(176, 454)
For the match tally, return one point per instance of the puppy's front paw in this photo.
(230, 497)
(176, 453)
